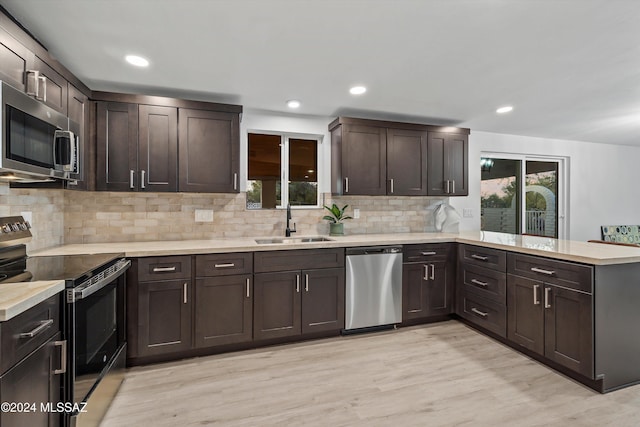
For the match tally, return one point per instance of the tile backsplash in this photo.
(66, 217)
(47, 211)
(96, 217)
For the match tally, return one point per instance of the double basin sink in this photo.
(289, 240)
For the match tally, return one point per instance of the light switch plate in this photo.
(204, 215)
(467, 213)
(356, 213)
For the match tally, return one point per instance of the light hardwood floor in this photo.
(443, 374)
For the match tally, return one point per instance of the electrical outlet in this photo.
(204, 215)
(467, 213)
(356, 213)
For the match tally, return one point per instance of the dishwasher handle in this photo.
(372, 250)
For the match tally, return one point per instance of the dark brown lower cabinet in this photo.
(427, 289)
(552, 321)
(277, 305)
(164, 316)
(33, 381)
(291, 303)
(323, 300)
(223, 310)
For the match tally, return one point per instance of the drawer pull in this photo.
(63, 357)
(224, 265)
(479, 283)
(543, 271)
(428, 253)
(479, 313)
(164, 269)
(38, 329)
(480, 257)
(536, 301)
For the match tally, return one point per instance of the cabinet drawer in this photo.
(566, 274)
(27, 331)
(427, 252)
(485, 313)
(224, 264)
(164, 268)
(490, 284)
(297, 260)
(485, 257)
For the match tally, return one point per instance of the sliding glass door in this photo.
(521, 195)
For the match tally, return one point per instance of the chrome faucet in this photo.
(289, 230)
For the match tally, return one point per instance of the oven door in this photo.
(96, 331)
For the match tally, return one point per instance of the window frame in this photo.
(285, 138)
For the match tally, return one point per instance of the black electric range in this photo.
(94, 326)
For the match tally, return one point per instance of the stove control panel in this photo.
(14, 230)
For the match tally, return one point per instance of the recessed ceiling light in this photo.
(504, 109)
(138, 61)
(357, 90)
(293, 103)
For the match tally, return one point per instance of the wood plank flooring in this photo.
(444, 374)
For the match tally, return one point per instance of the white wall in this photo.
(602, 187)
(256, 120)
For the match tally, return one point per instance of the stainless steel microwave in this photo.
(38, 143)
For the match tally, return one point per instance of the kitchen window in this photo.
(522, 195)
(274, 158)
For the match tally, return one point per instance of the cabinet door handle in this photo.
(63, 357)
(298, 283)
(164, 269)
(346, 184)
(480, 257)
(426, 272)
(391, 185)
(536, 301)
(428, 253)
(248, 285)
(142, 174)
(37, 330)
(479, 313)
(543, 271)
(433, 272)
(131, 183)
(547, 297)
(184, 293)
(306, 282)
(453, 186)
(479, 283)
(43, 79)
(231, 264)
(235, 180)
(35, 74)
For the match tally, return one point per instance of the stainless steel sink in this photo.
(276, 240)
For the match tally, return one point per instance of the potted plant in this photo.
(336, 227)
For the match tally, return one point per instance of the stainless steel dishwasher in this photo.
(374, 287)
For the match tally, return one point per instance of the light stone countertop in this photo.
(16, 298)
(568, 250)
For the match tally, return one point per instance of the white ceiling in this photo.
(570, 68)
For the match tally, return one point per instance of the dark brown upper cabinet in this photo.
(137, 147)
(116, 146)
(447, 164)
(47, 85)
(15, 60)
(371, 157)
(79, 111)
(209, 151)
